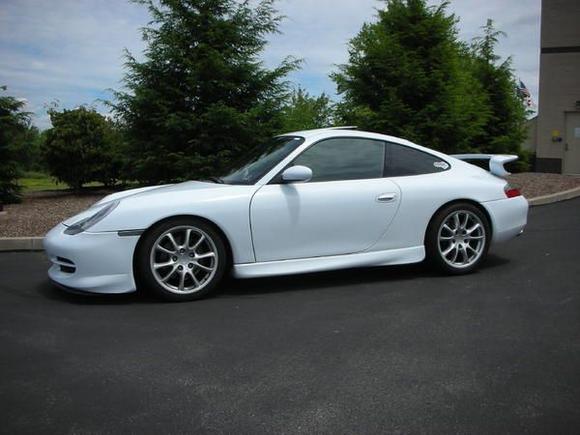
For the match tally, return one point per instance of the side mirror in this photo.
(297, 174)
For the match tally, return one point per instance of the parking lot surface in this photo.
(394, 349)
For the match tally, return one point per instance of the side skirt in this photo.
(414, 254)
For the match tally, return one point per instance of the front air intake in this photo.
(65, 265)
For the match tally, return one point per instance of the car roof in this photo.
(325, 133)
(322, 133)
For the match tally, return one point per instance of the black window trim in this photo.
(388, 153)
(277, 179)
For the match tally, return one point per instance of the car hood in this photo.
(166, 188)
(142, 193)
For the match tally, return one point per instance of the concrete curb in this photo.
(21, 244)
(555, 197)
(35, 243)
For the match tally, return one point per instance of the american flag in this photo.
(524, 94)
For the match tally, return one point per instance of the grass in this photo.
(39, 181)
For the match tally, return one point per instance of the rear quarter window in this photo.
(401, 160)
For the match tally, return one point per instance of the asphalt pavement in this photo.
(394, 349)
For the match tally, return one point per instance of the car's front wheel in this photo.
(181, 259)
(458, 238)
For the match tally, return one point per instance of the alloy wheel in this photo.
(184, 259)
(461, 239)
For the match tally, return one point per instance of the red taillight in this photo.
(512, 192)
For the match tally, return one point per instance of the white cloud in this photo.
(520, 20)
(318, 32)
(66, 50)
(71, 50)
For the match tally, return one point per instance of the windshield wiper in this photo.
(217, 180)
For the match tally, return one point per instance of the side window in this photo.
(402, 160)
(344, 159)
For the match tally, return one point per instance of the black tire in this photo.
(434, 255)
(146, 277)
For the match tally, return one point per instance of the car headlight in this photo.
(85, 223)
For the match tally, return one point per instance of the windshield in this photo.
(258, 162)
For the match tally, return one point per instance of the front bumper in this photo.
(508, 217)
(91, 262)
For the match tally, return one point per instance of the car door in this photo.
(345, 208)
(425, 186)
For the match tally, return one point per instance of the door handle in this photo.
(386, 197)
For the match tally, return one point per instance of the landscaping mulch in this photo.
(41, 211)
(533, 184)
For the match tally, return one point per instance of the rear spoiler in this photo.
(496, 161)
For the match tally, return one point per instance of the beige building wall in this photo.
(531, 141)
(559, 85)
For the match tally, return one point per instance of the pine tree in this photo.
(201, 95)
(505, 127)
(13, 123)
(407, 76)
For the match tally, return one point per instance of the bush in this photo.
(525, 163)
(82, 147)
(305, 112)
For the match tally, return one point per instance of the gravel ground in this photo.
(533, 185)
(39, 212)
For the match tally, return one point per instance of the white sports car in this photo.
(307, 201)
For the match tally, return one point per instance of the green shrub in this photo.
(82, 147)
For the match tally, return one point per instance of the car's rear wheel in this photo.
(458, 238)
(181, 259)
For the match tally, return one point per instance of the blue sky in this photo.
(70, 51)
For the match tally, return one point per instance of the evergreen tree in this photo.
(13, 123)
(505, 127)
(201, 95)
(305, 112)
(407, 76)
